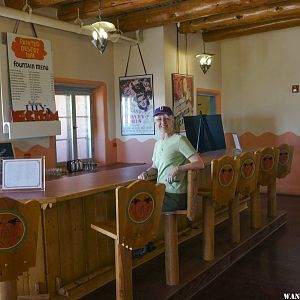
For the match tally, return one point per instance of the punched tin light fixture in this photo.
(205, 59)
(100, 32)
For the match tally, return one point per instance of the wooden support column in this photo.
(234, 217)
(123, 264)
(256, 213)
(171, 249)
(272, 201)
(208, 229)
(8, 290)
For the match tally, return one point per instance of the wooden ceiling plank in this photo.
(232, 32)
(108, 8)
(280, 10)
(184, 11)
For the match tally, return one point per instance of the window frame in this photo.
(73, 90)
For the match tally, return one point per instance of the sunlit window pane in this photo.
(83, 148)
(62, 153)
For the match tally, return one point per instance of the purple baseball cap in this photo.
(163, 110)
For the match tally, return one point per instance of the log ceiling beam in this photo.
(17, 4)
(184, 11)
(217, 35)
(90, 8)
(268, 13)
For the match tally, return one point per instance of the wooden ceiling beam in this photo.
(184, 11)
(90, 8)
(268, 13)
(19, 4)
(217, 35)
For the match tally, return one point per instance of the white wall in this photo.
(257, 72)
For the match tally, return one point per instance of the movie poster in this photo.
(183, 102)
(137, 103)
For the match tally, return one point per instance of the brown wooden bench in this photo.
(138, 212)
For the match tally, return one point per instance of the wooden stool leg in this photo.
(256, 213)
(8, 290)
(235, 219)
(208, 229)
(272, 202)
(123, 263)
(171, 249)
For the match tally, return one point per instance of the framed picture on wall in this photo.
(137, 103)
(183, 98)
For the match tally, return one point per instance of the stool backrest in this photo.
(18, 237)
(224, 178)
(138, 212)
(285, 160)
(248, 175)
(268, 165)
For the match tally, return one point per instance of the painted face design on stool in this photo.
(12, 230)
(267, 162)
(141, 208)
(247, 168)
(284, 157)
(226, 175)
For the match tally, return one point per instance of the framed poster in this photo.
(137, 104)
(183, 98)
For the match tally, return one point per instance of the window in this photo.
(74, 111)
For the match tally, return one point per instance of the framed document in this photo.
(22, 174)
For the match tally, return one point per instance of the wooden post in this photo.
(8, 290)
(123, 264)
(208, 229)
(272, 202)
(171, 249)
(234, 217)
(256, 213)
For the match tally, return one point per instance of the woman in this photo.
(173, 155)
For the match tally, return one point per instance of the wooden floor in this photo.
(266, 272)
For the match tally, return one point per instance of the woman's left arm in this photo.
(195, 162)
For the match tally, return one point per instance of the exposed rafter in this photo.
(217, 35)
(267, 13)
(217, 19)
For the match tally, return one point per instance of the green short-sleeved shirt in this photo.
(168, 154)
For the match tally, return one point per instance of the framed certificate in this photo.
(22, 174)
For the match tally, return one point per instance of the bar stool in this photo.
(267, 177)
(285, 160)
(246, 186)
(138, 211)
(170, 231)
(18, 242)
(224, 178)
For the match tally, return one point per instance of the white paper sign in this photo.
(22, 173)
(31, 79)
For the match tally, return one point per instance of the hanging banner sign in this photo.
(31, 79)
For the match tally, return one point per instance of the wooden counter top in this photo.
(70, 187)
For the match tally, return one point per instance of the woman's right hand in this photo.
(143, 175)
